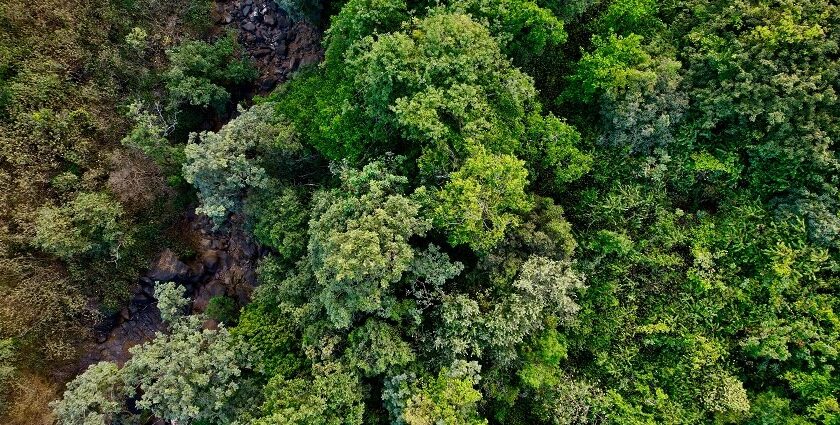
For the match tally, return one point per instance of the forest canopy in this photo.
(465, 212)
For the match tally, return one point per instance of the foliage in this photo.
(522, 28)
(222, 309)
(447, 66)
(88, 225)
(625, 211)
(149, 136)
(331, 397)
(94, 397)
(222, 165)
(377, 347)
(279, 218)
(358, 243)
(201, 74)
(481, 200)
(190, 374)
(447, 398)
(171, 301)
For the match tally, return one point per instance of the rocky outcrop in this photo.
(277, 45)
(224, 263)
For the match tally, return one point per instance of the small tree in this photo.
(223, 165)
(200, 73)
(88, 225)
(93, 398)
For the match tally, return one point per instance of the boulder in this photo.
(210, 259)
(168, 268)
(205, 293)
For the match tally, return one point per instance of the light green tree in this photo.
(87, 225)
(224, 165)
(481, 200)
(448, 398)
(358, 243)
(189, 375)
(333, 396)
(95, 397)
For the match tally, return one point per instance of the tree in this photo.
(449, 397)
(448, 66)
(358, 244)
(523, 28)
(279, 219)
(642, 101)
(377, 348)
(88, 225)
(787, 53)
(200, 73)
(186, 375)
(332, 397)
(149, 135)
(223, 165)
(190, 374)
(481, 200)
(544, 289)
(95, 397)
(171, 301)
(551, 152)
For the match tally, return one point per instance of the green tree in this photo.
(446, 87)
(87, 225)
(332, 397)
(190, 374)
(224, 165)
(482, 200)
(171, 301)
(377, 348)
(95, 397)
(358, 244)
(279, 218)
(449, 397)
(149, 135)
(201, 73)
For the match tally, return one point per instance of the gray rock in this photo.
(249, 26)
(268, 20)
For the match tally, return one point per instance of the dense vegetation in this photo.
(475, 212)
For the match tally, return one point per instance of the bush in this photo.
(200, 73)
(88, 225)
(223, 309)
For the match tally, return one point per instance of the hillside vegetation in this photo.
(470, 212)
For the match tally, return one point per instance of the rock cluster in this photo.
(223, 264)
(277, 45)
